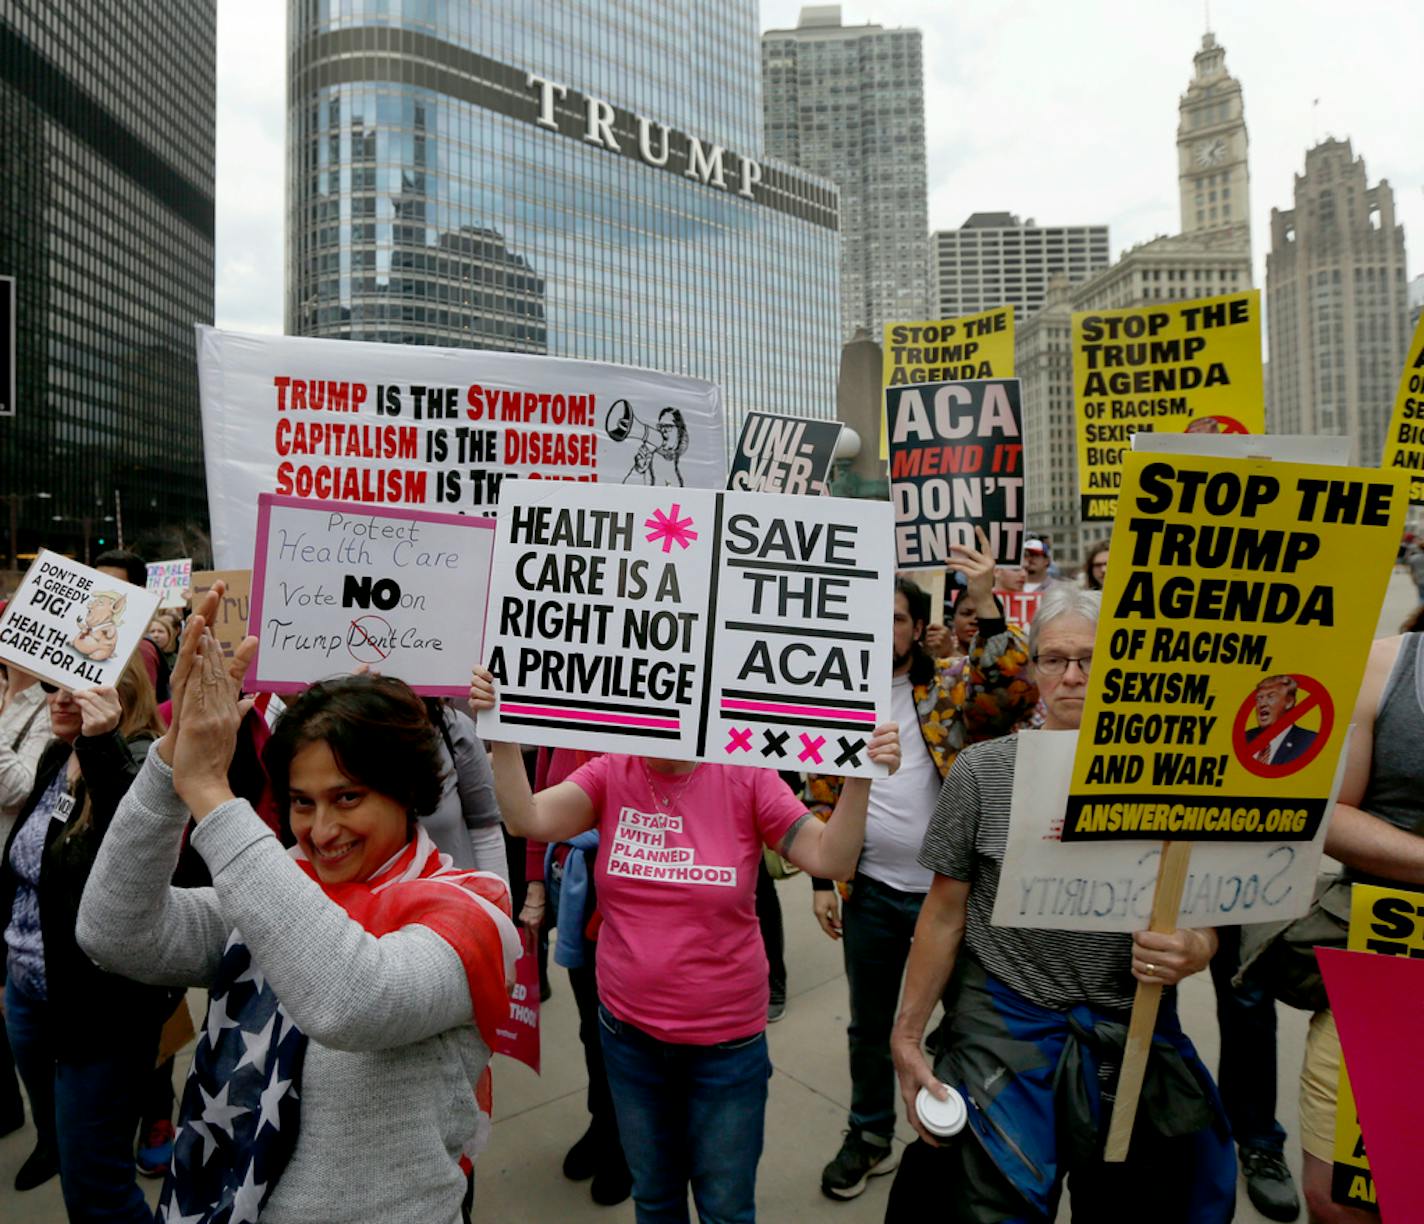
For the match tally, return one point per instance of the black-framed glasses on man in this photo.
(1057, 664)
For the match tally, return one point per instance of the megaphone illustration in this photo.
(667, 439)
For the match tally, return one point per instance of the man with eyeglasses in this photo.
(954, 702)
(1034, 1020)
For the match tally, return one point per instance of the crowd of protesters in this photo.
(333, 873)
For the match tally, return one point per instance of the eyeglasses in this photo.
(47, 687)
(1057, 664)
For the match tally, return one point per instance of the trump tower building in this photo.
(577, 179)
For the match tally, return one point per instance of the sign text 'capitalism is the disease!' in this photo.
(1171, 367)
(73, 626)
(741, 628)
(336, 585)
(433, 428)
(946, 350)
(956, 463)
(1239, 607)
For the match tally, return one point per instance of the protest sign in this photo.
(1020, 607)
(741, 628)
(947, 350)
(230, 621)
(73, 626)
(336, 584)
(1404, 445)
(1048, 883)
(433, 428)
(518, 1036)
(1240, 602)
(956, 463)
(171, 580)
(777, 454)
(1175, 367)
(1387, 922)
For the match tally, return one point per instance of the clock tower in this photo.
(1212, 173)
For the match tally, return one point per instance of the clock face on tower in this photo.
(1211, 152)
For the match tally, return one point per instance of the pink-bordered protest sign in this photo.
(340, 584)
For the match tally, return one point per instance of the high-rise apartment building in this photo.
(1337, 303)
(1213, 178)
(848, 103)
(994, 259)
(578, 180)
(108, 121)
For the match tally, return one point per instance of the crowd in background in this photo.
(336, 872)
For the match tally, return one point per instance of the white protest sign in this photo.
(1284, 448)
(171, 580)
(740, 628)
(1108, 885)
(433, 428)
(73, 626)
(335, 585)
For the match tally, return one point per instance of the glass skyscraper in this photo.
(848, 102)
(582, 178)
(107, 122)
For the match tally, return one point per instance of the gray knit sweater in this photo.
(392, 1055)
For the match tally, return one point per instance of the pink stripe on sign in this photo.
(628, 720)
(808, 712)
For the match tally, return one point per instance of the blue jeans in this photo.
(688, 1113)
(87, 1111)
(878, 926)
(1246, 1074)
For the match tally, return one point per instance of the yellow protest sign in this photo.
(1404, 447)
(947, 350)
(1240, 603)
(1390, 922)
(1171, 367)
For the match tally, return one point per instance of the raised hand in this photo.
(99, 710)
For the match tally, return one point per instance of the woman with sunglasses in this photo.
(84, 1078)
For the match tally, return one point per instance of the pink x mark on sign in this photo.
(739, 739)
(812, 749)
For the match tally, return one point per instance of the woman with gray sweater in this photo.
(355, 982)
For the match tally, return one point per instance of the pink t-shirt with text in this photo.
(680, 953)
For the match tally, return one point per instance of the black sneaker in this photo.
(855, 1164)
(613, 1183)
(40, 1165)
(1269, 1185)
(775, 1010)
(581, 1160)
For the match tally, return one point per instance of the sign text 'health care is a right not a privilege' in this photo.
(742, 628)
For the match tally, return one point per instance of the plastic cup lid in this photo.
(941, 1117)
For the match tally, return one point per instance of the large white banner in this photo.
(740, 628)
(1048, 883)
(337, 584)
(434, 428)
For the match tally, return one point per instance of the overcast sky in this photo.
(1065, 112)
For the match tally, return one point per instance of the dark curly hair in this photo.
(377, 729)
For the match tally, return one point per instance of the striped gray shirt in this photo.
(965, 840)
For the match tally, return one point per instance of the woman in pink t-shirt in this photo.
(682, 974)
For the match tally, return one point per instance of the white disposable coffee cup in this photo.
(941, 1118)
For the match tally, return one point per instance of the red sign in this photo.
(1020, 607)
(518, 1036)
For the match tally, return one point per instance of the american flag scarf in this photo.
(241, 1109)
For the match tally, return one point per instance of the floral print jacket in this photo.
(978, 696)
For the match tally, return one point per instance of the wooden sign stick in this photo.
(937, 597)
(1166, 905)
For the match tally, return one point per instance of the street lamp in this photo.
(15, 499)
